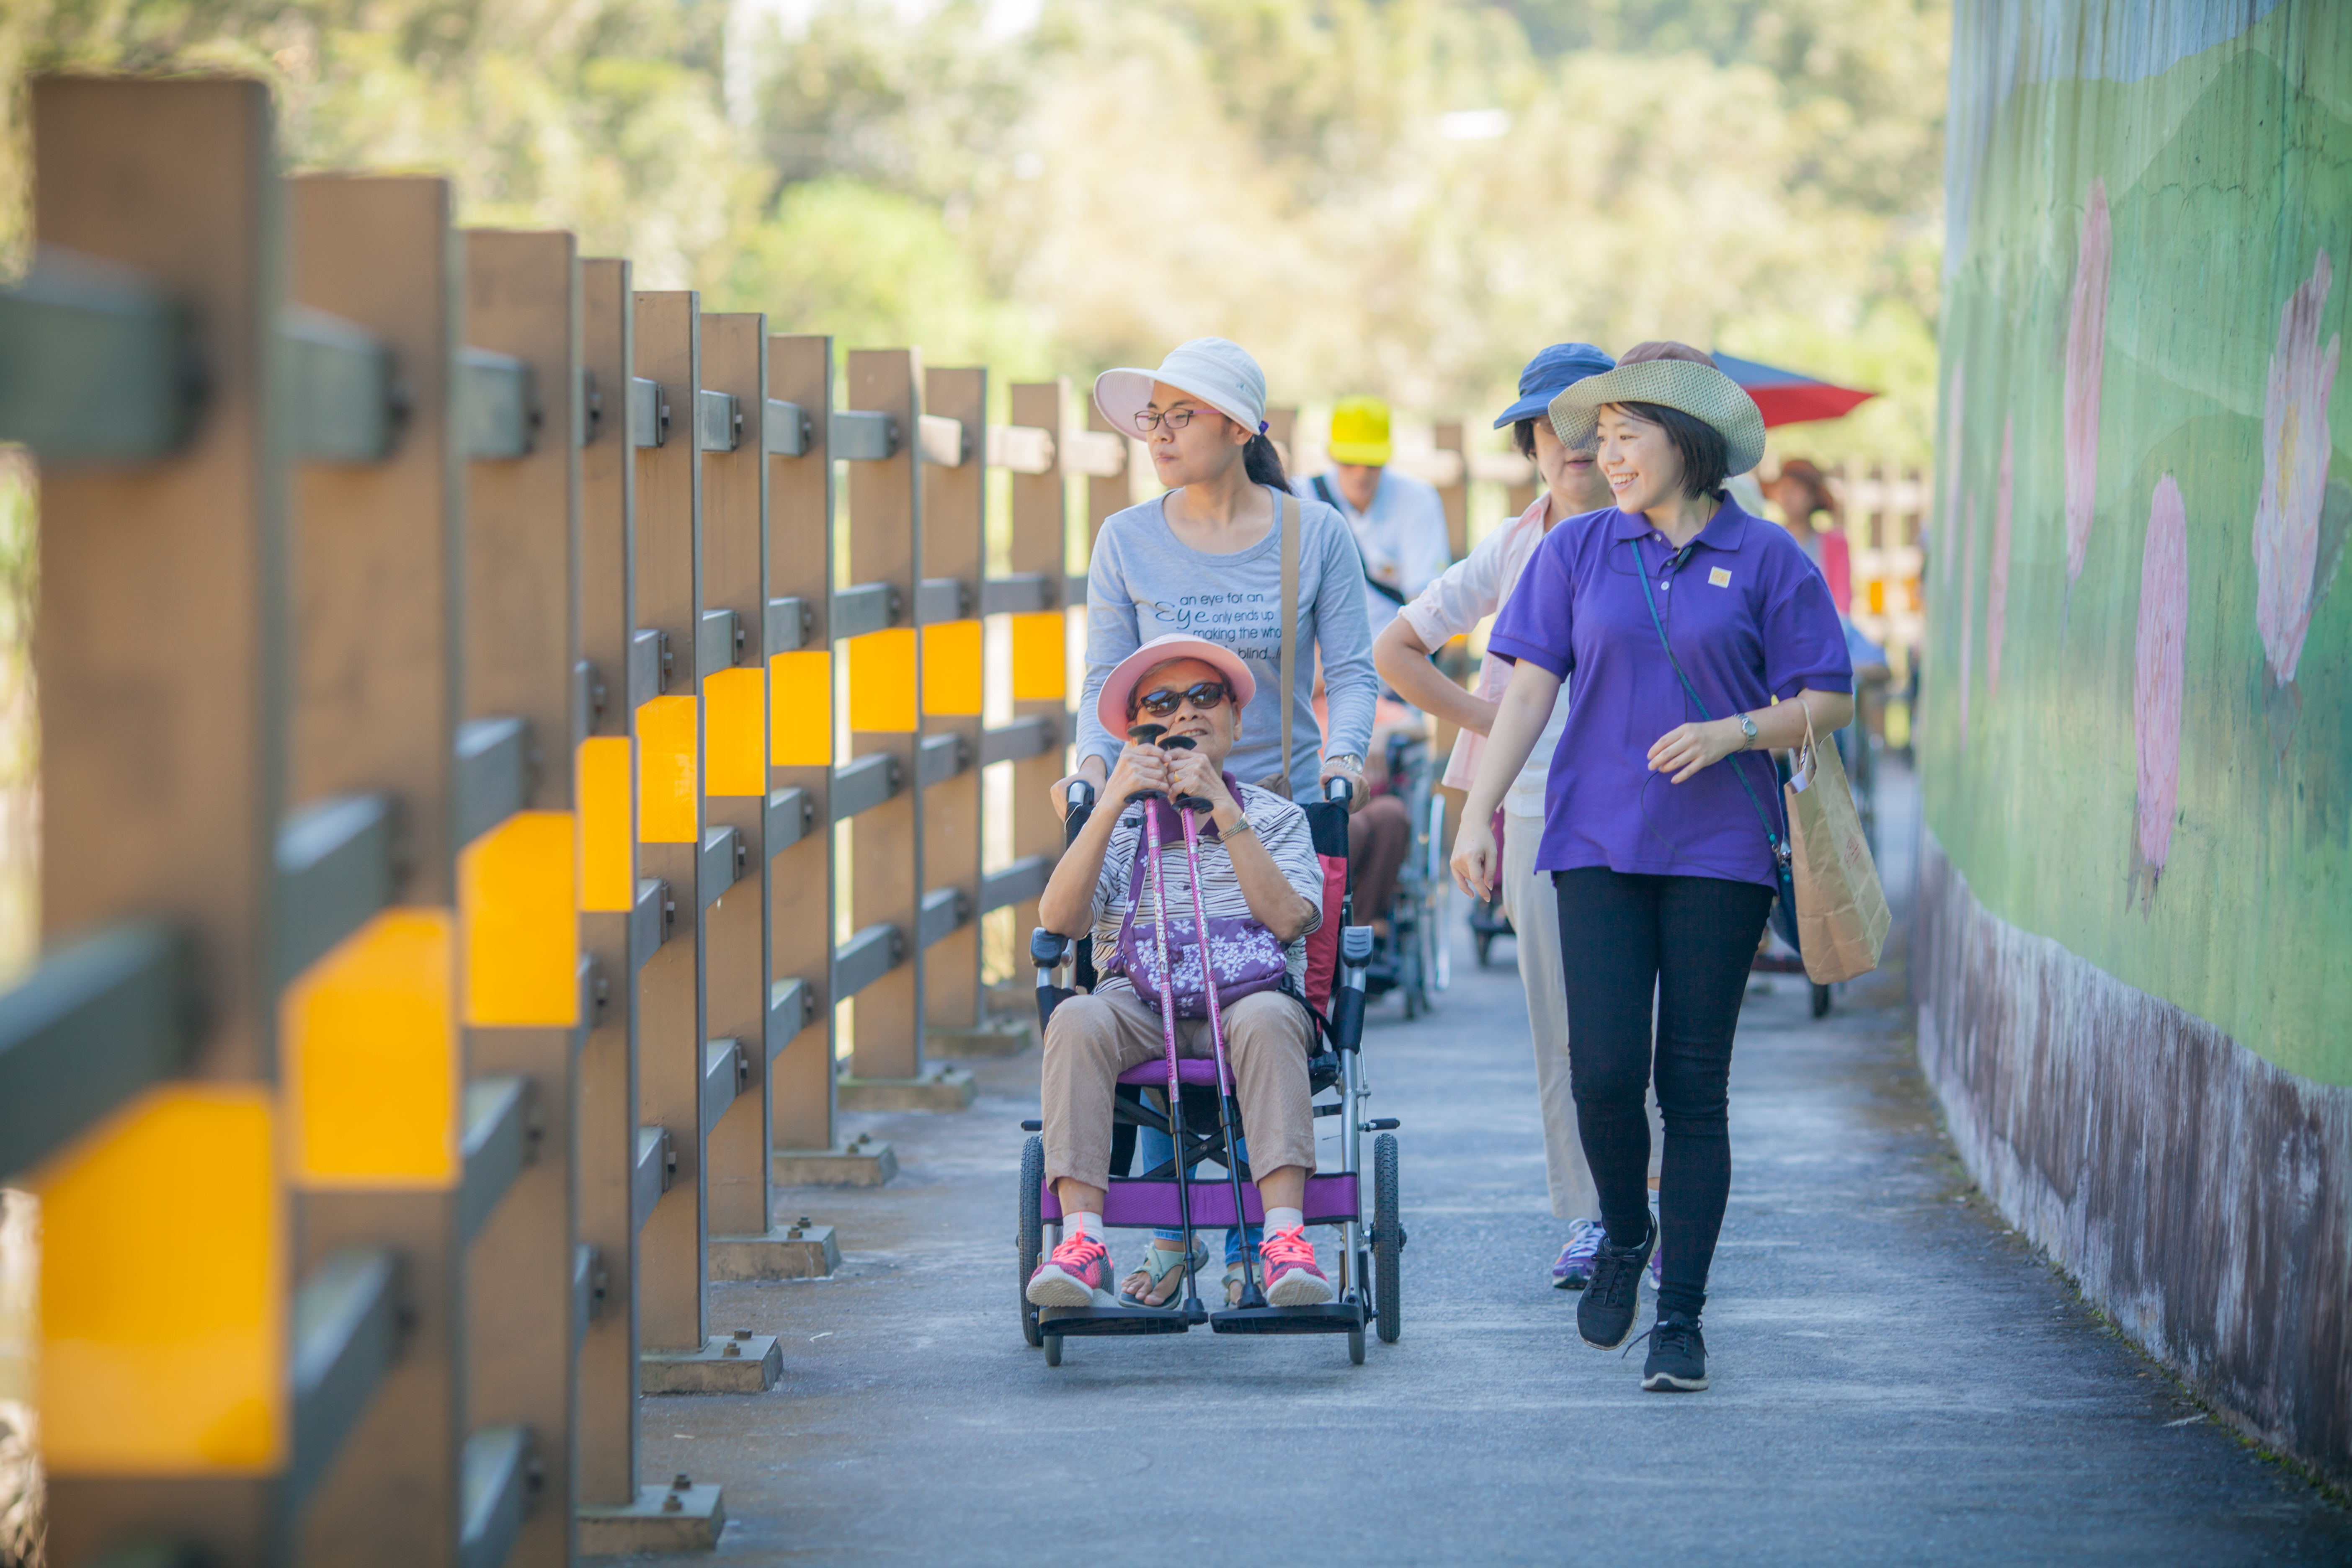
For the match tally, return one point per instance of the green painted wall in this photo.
(2137, 727)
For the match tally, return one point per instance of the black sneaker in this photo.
(1677, 1363)
(1605, 1314)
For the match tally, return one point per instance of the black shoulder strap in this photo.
(1323, 490)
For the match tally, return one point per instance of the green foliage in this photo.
(1120, 177)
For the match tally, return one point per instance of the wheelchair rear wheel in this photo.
(1032, 1242)
(1388, 1239)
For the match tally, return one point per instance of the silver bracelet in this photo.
(1245, 826)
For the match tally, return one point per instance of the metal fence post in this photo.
(373, 1080)
(163, 1319)
(517, 910)
(882, 964)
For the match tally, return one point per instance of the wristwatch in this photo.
(1747, 728)
(1354, 763)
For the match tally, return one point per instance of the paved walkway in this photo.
(1897, 1378)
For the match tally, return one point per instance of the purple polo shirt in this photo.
(1749, 618)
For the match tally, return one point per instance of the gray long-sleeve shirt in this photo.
(1144, 582)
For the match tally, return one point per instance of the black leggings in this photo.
(1687, 941)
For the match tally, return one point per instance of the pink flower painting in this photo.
(2295, 473)
(2158, 661)
(1967, 619)
(2086, 351)
(1997, 577)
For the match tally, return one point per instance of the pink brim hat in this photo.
(1110, 703)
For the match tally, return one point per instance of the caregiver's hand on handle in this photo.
(1519, 725)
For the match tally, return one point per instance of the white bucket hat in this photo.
(1218, 372)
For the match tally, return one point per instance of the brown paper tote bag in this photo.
(1841, 915)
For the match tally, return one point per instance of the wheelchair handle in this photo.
(1338, 791)
(1355, 946)
(1048, 949)
(1080, 795)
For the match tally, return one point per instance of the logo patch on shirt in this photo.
(1716, 577)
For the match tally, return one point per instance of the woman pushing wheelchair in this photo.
(1260, 893)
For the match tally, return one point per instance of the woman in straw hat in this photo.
(1698, 635)
(1208, 559)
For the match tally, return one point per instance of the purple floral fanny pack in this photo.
(1243, 956)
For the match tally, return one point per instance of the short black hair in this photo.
(1705, 454)
(1523, 437)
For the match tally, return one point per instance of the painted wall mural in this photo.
(2137, 729)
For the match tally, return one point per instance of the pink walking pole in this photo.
(1146, 734)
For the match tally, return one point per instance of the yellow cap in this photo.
(1360, 431)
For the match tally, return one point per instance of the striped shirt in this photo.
(1281, 827)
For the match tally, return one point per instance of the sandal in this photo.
(1141, 1287)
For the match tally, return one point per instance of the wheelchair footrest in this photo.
(1111, 1321)
(1331, 1317)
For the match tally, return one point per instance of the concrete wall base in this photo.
(796, 1252)
(941, 1089)
(737, 1364)
(858, 1164)
(2202, 1197)
(663, 1521)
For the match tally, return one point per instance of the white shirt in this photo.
(1465, 593)
(1402, 537)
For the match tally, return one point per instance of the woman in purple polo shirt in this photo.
(1699, 637)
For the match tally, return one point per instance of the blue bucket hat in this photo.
(1552, 372)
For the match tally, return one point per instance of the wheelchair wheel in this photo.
(1356, 1348)
(1821, 1001)
(1032, 1242)
(1053, 1350)
(1388, 1239)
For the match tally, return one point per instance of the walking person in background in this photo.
(1701, 639)
(1206, 559)
(1469, 591)
(1398, 520)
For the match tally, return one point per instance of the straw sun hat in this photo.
(1700, 391)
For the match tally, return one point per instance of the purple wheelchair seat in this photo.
(1188, 1070)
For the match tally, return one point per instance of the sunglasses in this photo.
(1204, 699)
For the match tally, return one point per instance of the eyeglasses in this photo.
(1164, 701)
(1175, 419)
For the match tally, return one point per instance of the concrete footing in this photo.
(997, 1037)
(941, 1089)
(742, 1362)
(802, 1251)
(858, 1164)
(663, 1521)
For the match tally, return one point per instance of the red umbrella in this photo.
(1788, 398)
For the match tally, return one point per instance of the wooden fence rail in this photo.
(438, 648)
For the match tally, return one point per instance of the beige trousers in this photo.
(1529, 899)
(1093, 1040)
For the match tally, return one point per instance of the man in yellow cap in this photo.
(1398, 520)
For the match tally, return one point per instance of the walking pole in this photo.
(1228, 1114)
(1145, 735)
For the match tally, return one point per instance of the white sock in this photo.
(1283, 1219)
(1085, 1225)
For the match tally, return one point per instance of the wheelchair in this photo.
(1416, 961)
(1366, 1282)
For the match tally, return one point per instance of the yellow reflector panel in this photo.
(665, 806)
(371, 1055)
(522, 932)
(734, 745)
(800, 708)
(162, 1333)
(952, 669)
(882, 681)
(607, 872)
(1041, 657)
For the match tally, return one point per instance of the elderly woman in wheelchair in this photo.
(1261, 891)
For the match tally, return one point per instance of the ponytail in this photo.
(1263, 463)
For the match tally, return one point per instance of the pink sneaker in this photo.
(1291, 1278)
(1077, 1275)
